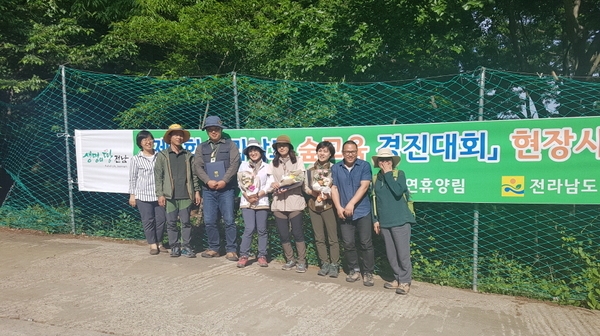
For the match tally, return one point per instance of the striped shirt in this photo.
(141, 177)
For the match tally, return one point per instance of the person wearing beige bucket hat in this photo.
(286, 174)
(176, 128)
(385, 153)
(177, 188)
(393, 218)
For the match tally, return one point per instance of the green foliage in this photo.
(123, 225)
(37, 217)
(429, 267)
(161, 106)
(587, 280)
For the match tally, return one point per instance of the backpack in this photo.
(409, 201)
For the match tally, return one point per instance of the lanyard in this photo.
(213, 154)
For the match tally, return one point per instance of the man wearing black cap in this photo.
(216, 163)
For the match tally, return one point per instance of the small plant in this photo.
(588, 280)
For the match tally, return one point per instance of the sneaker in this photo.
(289, 265)
(262, 262)
(242, 262)
(403, 288)
(333, 270)
(368, 279)
(209, 254)
(187, 252)
(175, 251)
(301, 268)
(324, 269)
(231, 256)
(391, 285)
(352, 276)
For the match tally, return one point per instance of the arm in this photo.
(397, 186)
(335, 197)
(307, 188)
(159, 175)
(358, 195)
(335, 194)
(195, 184)
(199, 166)
(133, 176)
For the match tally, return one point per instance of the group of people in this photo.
(165, 184)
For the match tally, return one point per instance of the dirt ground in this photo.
(68, 285)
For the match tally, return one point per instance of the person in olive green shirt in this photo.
(177, 187)
(393, 218)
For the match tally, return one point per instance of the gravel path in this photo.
(66, 285)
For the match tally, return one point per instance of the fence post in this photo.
(66, 135)
(235, 101)
(476, 207)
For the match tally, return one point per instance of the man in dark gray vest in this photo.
(216, 163)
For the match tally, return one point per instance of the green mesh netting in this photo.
(541, 251)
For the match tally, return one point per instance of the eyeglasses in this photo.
(349, 152)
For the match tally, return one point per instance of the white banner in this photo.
(103, 159)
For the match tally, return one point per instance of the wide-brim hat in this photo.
(386, 153)
(253, 143)
(283, 139)
(212, 121)
(173, 128)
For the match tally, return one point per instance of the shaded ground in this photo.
(66, 285)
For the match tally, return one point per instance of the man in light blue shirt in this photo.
(351, 180)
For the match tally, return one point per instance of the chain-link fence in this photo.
(541, 251)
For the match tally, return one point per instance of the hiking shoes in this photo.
(242, 262)
(403, 288)
(289, 265)
(391, 285)
(301, 268)
(188, 252)
(368, 279)
(352, 276)
(175, 251)
(231, 256)
(262, 262)
(333, 270)
(209, 254)
(324, 269)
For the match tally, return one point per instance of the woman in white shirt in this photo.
(142, 192)
(254, 203)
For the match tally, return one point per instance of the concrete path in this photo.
(64, 285)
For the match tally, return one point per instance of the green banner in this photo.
(546, 161)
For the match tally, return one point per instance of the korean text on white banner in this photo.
(103, 159)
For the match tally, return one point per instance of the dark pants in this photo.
(283, 221)
(254, 220)
(322, 223)
(363, 226)
(179, 209)
(397, 249)
(153, 220)
(215, 202)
